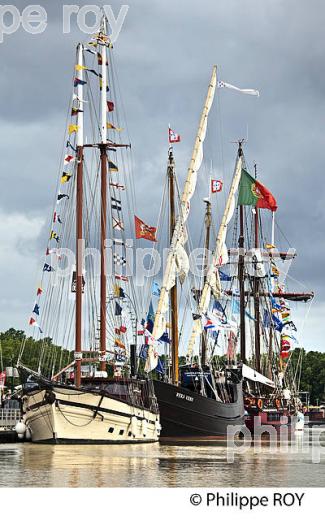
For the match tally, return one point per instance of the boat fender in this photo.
(28, 434)
(134, 426)
(20, 429)
(144, 427)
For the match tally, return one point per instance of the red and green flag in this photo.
(253, 193)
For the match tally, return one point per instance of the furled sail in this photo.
(177, 261)
(219, 258)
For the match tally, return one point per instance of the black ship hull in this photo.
(189, 415)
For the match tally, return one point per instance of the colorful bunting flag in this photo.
(57, 218)
(39, 291)
(116, 204)
(36, 309)
(142, 230)
(173, 137)
(54, 236)
(34, 323)
(112, 167)
(65, 177)
(48, 268)
(117, 186)
(118, 309)
(62, 196)
(78, 81)
(110, 126)
(121, 277)
(119, 260)
(155, 289)
(73, 128)
(110, 106)
(216, 185)
(70, 145)
(118, 291)
(75, 111)
(80, 67)
(69, 159)
(118, 225)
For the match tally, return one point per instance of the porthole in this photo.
(110, 430)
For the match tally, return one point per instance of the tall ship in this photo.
(197, 400)
(234, 323)
(86, 303)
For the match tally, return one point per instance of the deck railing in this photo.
(9, 418)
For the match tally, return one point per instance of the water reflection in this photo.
(157, 465)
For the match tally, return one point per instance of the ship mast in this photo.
(256, 295)
(208, 221)
(79, 228)
(241, 275)
(103, 220)
(173, 292)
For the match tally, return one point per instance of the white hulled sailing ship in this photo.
(95, 395)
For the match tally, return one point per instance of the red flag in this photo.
(173, 137)
(216, 185)
(121, 277)
(110, 106)
(142, 230)
(39, 291)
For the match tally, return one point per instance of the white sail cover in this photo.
(252, 375)
(177, 260)
(219, 258)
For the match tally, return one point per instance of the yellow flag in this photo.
(116, 290)
(119, 343)
(65, 178)
(80, 67)
(73, 128)
(112, 127)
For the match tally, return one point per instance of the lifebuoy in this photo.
(259, 404)
(277, 404)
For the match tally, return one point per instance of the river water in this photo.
(156, 465)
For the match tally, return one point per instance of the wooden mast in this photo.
(173, 292)
(256, 296)
(208, 221)
(103, 224)
(79, 227)
(241, 277)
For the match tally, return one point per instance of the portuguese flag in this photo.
(253, 193)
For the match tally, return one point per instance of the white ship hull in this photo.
(65, 415)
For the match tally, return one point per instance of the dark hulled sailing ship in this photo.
(196, 401)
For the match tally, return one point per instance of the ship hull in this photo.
(255, 421)
(69, 416)
(186, 414)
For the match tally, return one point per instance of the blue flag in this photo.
(224, 277)
(155, 289)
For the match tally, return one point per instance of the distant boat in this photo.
(94, 396)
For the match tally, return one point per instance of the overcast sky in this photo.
(165, 53)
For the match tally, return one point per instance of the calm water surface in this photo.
(154, 465)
